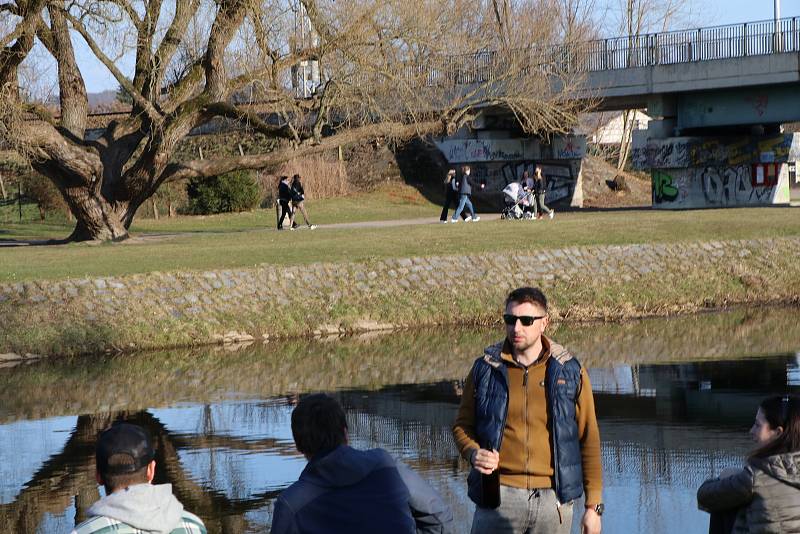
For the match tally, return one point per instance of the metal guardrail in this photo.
(686, 46)
(667, 48)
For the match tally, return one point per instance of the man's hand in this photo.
(591, 521)
(486, 461)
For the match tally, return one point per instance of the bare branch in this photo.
(213, 167)
(137, 96)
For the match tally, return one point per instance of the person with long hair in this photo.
(284, 199)
(764, 496)
(298, 199)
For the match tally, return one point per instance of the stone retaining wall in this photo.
(183, 308)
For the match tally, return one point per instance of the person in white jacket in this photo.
(133, 505)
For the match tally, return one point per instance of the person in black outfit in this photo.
(450, 195)
(298, 196)
(284, 198)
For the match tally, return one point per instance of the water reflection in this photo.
(221, 421)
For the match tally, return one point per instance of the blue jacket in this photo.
(563, 381)
(352, 491)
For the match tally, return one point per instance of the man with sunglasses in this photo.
(527, 415)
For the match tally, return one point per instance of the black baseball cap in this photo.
(123, 439)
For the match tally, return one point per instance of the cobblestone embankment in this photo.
(159, 310)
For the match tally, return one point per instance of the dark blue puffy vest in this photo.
(562, 382)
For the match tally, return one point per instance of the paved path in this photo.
(403, 222)
(151, 237)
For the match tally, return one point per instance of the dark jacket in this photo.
(352, 491)
(766, 493)
(465, 185)
(284, 192)
(298, 194)
(563, 380)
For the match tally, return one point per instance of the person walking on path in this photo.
(465, 191)
(284, 200)
(763, 496)
(529, 203)
(527, 425)
(450, 195)
(133, 505)
(350, 491)
(540, 190)
(298, 199)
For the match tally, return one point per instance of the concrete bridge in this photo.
(718, 97)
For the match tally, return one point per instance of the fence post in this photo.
(794, 35)
(605, 54)
(699, 44)
(744, 39)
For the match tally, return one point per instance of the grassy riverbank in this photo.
(249, 239)
(159, 310)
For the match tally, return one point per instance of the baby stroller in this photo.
(514, 204)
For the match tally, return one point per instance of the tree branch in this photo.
(215, 167)
(249, 119)
(138, 98)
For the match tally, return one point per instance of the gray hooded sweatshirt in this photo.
(143, 506)
(766, 493)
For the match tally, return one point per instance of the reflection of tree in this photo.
(70, 474)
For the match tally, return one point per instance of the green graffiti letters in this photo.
(663, 190)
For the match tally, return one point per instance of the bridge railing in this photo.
(702, 44)
(667, 48)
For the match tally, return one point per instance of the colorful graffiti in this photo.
(663, 188)
(684, 152)
(720, 186)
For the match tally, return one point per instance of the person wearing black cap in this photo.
(125, 467)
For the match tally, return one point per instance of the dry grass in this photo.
(323, 177)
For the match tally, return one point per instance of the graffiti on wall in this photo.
(499, 150)
(712, 186)
(743, 184)
(684, 152)
(664, 190)
(560, 182)
(481, 150)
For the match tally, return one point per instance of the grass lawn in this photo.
(249, 239)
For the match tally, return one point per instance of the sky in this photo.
(710, 13)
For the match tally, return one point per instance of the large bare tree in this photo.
(384, 68)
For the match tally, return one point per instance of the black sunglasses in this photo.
(526, 320)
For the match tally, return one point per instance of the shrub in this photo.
(234, 191)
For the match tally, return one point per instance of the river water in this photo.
(674, 397)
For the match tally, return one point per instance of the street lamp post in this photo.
(777, 16)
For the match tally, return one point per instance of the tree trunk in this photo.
(155, 207)
(171, 209)
(97, 218)
(3, 188)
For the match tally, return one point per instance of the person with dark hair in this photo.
(764, 496)
(298, 199)
(451, 186)
(344, 490)
(125, 463)
(464, 196)
(540, 191)
(284, 199)
(527, 426)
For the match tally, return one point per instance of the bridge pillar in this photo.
(663, 110)
(714, 171)
(496, 158)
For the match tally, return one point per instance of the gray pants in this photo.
(524, 512)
